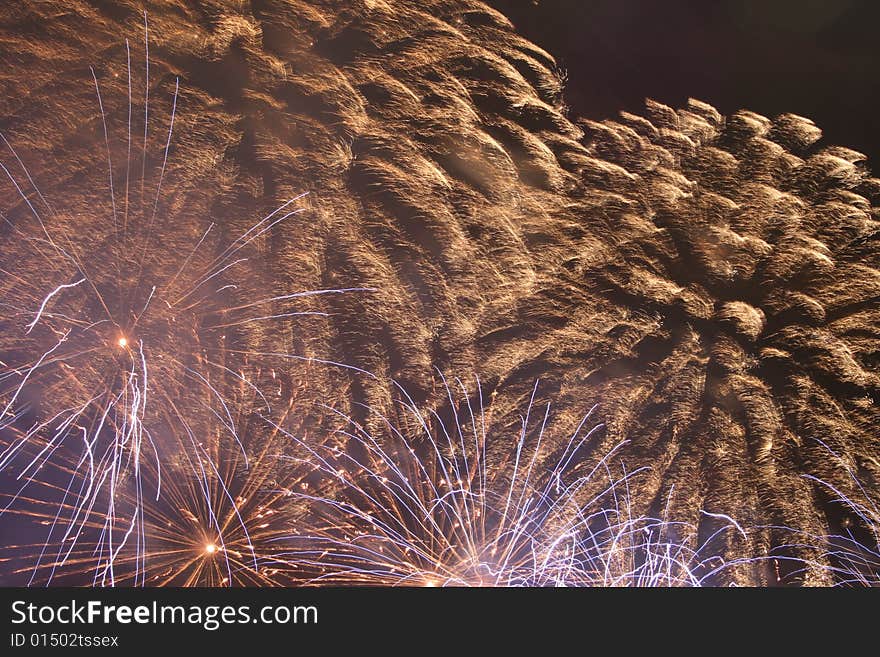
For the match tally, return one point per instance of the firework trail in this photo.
(122, 371)
(851, 555)
(423, 502)
(215, 523)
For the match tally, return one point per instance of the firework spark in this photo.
(214, 523)
(851, 555)
(436, 507)
(122, 377)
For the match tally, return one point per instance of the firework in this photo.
(851, 555)
(124, 373)
(711, 279)
(209, 517)
(435, 507)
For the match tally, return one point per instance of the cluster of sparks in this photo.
(121, 409)
(142, 454)
(852, 555)
(435, 508)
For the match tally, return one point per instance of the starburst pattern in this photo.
(430, 506)
(124, 361)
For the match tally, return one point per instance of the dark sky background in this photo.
(816, 58)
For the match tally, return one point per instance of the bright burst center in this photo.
(210, 549)
(122, 342)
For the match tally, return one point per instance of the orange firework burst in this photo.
(126, 364)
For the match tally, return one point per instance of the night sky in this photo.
(814, 58)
